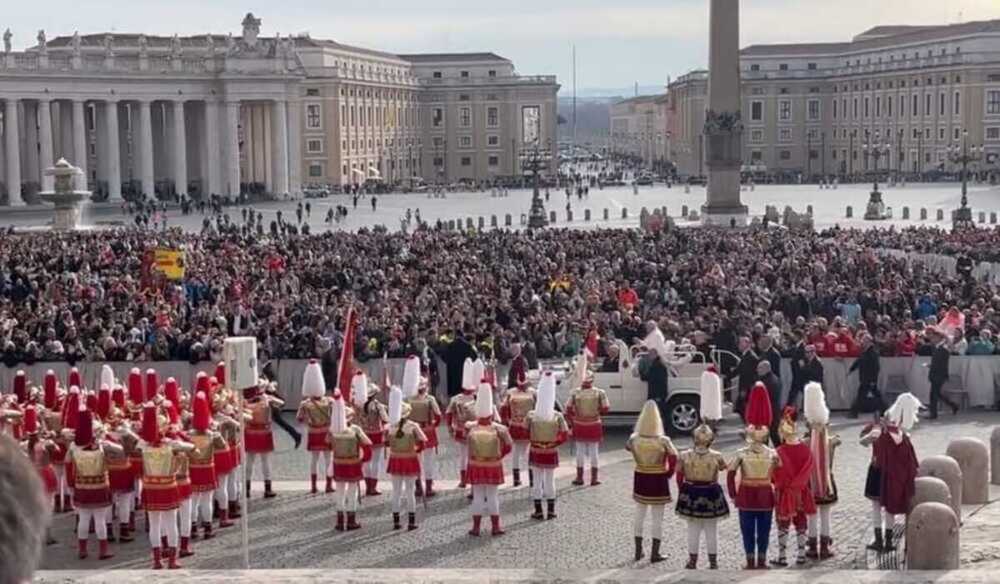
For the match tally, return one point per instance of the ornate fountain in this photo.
(64, 197)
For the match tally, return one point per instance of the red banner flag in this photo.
(346, 368)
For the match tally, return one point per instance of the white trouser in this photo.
(99, 515)
(545, 483)
(123, 506)
(137, 491)
(584, 450)
(184, 516)
(374, 466)
(463, 455)
(222, 491)
(877, 514)
(640, 519)
(62, 489)
(314, 463)
(203, 506)
(428, 465)
(233, 488)
(163, 523)
(485, 500)
(710, 527)
(404, 488)
(822, 518)
(265, 464)
(519, 457)
(347, 496)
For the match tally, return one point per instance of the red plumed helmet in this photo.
(21, 387)
(50, 383)
(220, 372)
(152, 384)
(118, 396)
(172, 413)
(30, 421)
(172, 392)
(74, 378)
(135, 386)
(758, 408)
(70, 408)
(150, 425)
(202, 415)
(104, 402)
(91, 401)
(84, 427)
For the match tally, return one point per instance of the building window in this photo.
(927, 105)
(783, 67)
(835, 109)
(757, 109)
(888, 106)
(785, 110)
(916, 133)
(314, 146)
(493, 140)
(993, 102)
(313, 120)
(494, 160)
(756, 136)
(312, 92)
(812, 135)
(438, 117)
(993, 134)
(813, 154)
(785, 154)
(438, 161)
(941, 105)
(436, 75)
(465, 141)
(465, 117)
(492, 117)
(956, 134)
(492, 73)
(915, 110)
(756, 156)
(927, 133)
(491, 97)
(785, 135)
(855, 108)
(811, 66)
(354, 118)
(466, 161)
(941, 134)
(957, 109)
(755, 67)
(878, 106)
(465, 74)
(813, 109)
(315, 170)
(867, 107)
(463, 97)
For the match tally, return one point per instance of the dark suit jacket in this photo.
(747, 370)
(939, 364)
(867, 366)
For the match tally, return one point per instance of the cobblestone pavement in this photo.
(593, 531)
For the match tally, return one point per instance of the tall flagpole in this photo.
(574, 101)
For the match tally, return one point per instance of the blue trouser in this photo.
(756, 528)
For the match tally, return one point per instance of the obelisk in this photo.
(723, 120)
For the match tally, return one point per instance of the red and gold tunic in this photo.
(373, 418)
(315, 412)
(488, 443)
(755, 463)
(183, 474)
(120, 467)
(257, 433)
(546, 436)
(40, 457)
(53, 423)
(584, 409)
(405, 445)
(91, 488)
(514, 411)
(460, 412)
(159, 481)
(655, 460)
(424, 410)
(226, 456)
(351, 448)
(201, 461)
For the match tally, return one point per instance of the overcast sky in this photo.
(618, 42)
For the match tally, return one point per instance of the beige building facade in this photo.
(811, 109)
(639, 127)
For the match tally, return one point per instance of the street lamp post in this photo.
(533, 161)
(876, 150)
(961, 218)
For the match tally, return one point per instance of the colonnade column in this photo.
(12, 148)
(180, 150)
(113, 163)
(45, 143)
(279, 150)
(80, 142)
(295, 146)
(213, 166)
(146, 175)
(232, 148)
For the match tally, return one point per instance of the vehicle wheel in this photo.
(682, 414)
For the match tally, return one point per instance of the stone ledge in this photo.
(509, 576)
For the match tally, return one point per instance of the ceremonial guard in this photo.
(372, 417)
(514, 409)
(655, 462)
(547, 430)
(893, 471)
(136, 398)
(182, 474)
(459, 413)
(258, 435)
(795, 502)
(39, 450)
(585, 407)
(700, 499)
(425, 411)
(351, 449)
(314, 411)
(204, 481)
(405, 441)
(160, 496)
(755, 464)
(91, 489)
(120, 474)
(821, 481)
(68, 419)
(52, 415)
(489, 442)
